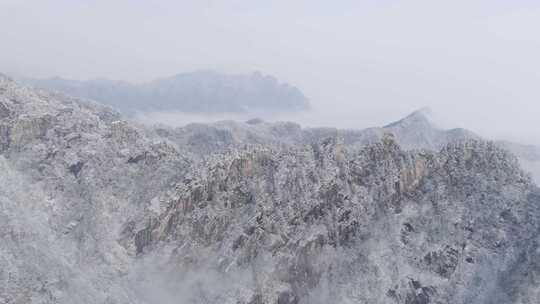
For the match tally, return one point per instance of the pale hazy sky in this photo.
(362, 63)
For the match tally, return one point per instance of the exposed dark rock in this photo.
(443, 262)
(136, 159)
(143, 238)
(76, 168)
(4, 111)
(4, 137)
(286, 298)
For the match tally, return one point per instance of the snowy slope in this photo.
(95, 209)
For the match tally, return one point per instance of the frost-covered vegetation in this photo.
(94, 209)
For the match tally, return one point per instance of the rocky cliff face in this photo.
(98, 210)
(70, 172)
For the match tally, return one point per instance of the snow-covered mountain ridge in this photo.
(416, 131)
(95, 209)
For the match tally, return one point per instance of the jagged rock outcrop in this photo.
(381, 225)
(94, 209)
(416, 131)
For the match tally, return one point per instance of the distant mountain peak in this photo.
(420, 117)
(203, 91)
(424, 112)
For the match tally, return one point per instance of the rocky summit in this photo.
(96, 209)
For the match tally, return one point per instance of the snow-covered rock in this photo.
(95, 209)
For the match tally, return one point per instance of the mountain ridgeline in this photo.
(195, 92)
(96, 209)
(414, 132)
